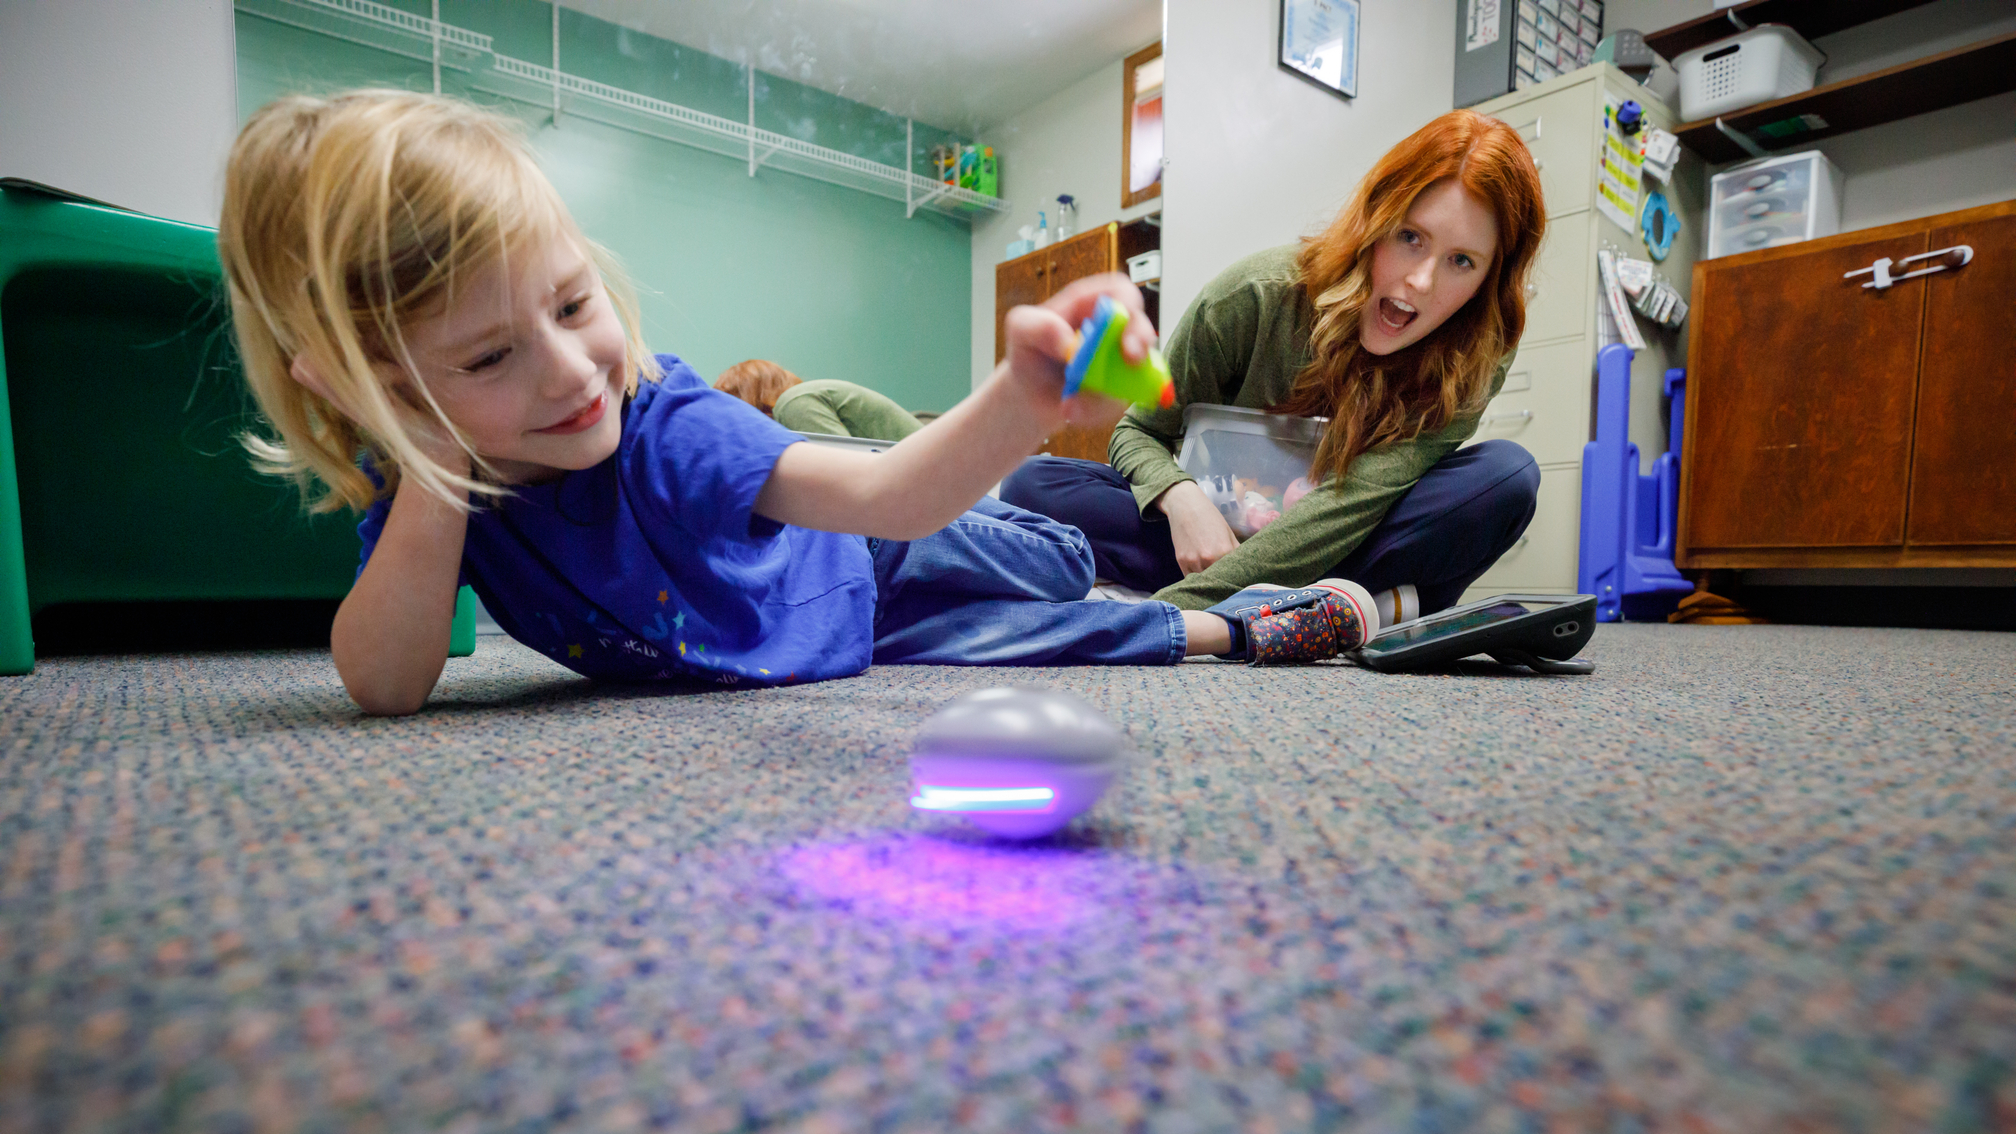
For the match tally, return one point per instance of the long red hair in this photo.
(1372, 400)
(757, 381)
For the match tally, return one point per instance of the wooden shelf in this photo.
(1935, 82)
(1810, 18)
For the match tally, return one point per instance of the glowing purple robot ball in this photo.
(1017, 762)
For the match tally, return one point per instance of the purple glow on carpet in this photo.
(934, 881)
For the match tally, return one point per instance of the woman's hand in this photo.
(1200, 533)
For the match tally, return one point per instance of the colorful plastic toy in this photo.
(988, 181)
(1099, 367)
(1016, 762)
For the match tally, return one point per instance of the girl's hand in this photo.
(430, 435)
(1042, 339)
(1200, 533)
(417, 419)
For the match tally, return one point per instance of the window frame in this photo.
(1129, 198)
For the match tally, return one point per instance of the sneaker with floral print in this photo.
(1274, 625)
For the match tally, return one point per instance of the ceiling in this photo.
(961, 65)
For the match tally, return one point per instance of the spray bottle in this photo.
(1067, 215)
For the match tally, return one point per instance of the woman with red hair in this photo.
(1397, 323)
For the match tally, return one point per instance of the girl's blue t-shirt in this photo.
(654, 565)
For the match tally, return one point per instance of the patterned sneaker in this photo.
(1280, 626)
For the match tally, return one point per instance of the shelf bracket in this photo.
(1748, 143)
(756, 160)
(915, 203)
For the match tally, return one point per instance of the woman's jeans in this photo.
(1446, 531)
(1001, 586)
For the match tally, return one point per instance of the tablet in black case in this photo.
(1542, 632)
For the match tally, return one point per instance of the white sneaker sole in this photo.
(1360, 600)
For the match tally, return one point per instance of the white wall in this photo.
(1069, 143)
(130, 101)
(1933, 163)
(1257, 156)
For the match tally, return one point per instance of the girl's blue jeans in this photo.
(1001, 586)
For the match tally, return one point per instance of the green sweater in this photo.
(1241, 343)
(844, 409)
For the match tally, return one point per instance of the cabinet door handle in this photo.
(1958, 256)
(1509, 415)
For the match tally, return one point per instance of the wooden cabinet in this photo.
(1963, 457)
(1835, 425)
(1040, 274)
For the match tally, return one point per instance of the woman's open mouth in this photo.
(1395, 315)
(583, 420)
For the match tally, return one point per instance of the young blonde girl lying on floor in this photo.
(435, 342)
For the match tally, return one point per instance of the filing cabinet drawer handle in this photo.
(1509, 415)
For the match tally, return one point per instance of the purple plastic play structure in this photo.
(1628, 517)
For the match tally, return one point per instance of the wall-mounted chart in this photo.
(1319, 42)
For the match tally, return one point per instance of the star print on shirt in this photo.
(573, 651)
(662, 596)
(679, 621)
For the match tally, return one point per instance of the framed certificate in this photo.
(1319, 42)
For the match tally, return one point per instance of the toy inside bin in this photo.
(1252, 464)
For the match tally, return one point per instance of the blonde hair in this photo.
(347, 218)
(757, 381)
(1372, 400)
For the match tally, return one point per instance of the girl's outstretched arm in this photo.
(390, 639)
(930, 478)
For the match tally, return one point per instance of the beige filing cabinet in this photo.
(1548, 402)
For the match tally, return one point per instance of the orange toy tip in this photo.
(1168, 395)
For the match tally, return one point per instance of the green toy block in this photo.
(1099, 366)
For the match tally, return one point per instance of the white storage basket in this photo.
(1768, 61)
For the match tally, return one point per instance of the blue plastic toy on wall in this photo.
(1628, 517)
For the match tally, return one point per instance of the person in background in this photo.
(1397, 323)
(433, 341)
(829, 406)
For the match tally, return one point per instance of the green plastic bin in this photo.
(121, 476)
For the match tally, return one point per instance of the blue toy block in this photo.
(1628, 517)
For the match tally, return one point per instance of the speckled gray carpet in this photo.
(1742, 879)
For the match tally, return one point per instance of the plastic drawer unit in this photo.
(121, 475)
(1783, 199)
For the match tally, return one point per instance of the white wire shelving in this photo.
(471, 54)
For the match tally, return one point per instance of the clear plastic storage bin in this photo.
(1253, 465)
(1773, 201)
